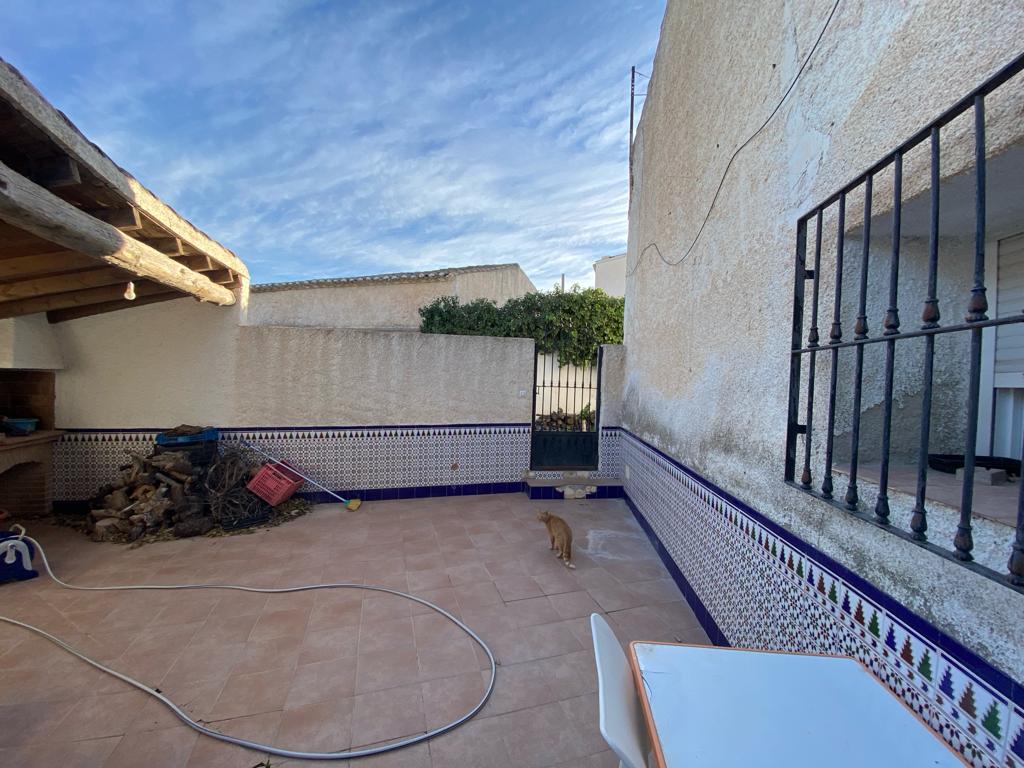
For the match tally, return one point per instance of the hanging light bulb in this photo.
(129, 291)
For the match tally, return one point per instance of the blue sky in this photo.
(331, 138)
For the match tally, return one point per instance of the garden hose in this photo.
(8, 548)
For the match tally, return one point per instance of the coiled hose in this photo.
(7, 546)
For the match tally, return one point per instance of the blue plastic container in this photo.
(29, 425)
(207, 435)
(21, 569)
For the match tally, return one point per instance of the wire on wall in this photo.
(740, 148)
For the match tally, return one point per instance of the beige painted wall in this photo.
(390, 305)
(180, 361)
(29, 342)
(707, 340)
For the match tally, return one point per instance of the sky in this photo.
(334, 137)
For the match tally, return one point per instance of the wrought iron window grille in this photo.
(800, 435)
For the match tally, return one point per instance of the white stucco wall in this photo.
(29, 342)
(179, 361)
(392, 305)
(707, 340)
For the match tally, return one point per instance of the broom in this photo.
(352, 504)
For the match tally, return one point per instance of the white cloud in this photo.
(319, 138)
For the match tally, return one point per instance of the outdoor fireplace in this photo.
(26, 463)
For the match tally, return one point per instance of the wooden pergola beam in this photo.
(63, 283)
(74, 313)
(57, 172)
(81, 298)
(33, 208)
(30, 104)
(24, 266)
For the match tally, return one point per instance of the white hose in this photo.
(280, 752)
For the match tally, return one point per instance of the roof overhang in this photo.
(75, 228)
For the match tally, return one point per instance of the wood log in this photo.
(33, 208)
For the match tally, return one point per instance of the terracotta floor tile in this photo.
(387, 714)
(340, 611)
(448, 698)
(478, 743)
(377, 671)
(517, 587)
(322, 681)
(469, 573)
(477, 595)
(519, 686)
(468, 554)
(656, 591)
(29, 722)
(323, 726)
(385, 607)
(264, 655)
(252, 694)
(166, 748)
(536, 610)
(280, 623)
(210, 753)
(573, 605)
(434, 578)
(109, 714)
(327, 644)
(90, 753)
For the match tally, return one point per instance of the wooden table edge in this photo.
(652, 729)
(645, 705)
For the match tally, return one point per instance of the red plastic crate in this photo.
(275, 483)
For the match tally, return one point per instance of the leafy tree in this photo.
(573, 323)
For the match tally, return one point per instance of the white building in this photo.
(610, 274)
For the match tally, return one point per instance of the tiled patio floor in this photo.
(335, 669)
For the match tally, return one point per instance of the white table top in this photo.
(724, 708)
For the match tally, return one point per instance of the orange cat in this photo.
(560, 536)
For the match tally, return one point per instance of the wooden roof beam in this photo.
(63, 283)
(39, 266)
(125, 218)
(76, 299)
(56, 172)
(63, 315)
(31, 207)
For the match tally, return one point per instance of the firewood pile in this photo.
(560, 421)
(180, 493)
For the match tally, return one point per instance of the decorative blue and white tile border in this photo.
(754, 584)
(374, 463)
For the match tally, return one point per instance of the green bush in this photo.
(574, 323)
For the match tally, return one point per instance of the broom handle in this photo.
(308, 479)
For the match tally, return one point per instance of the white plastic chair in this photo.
(620, 719)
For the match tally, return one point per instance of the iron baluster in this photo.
(1016, 564)
(793, 427)
(835, 336)
(812, 341)
(891, 326)
(860, 331)
(930, 319)
(977, 308)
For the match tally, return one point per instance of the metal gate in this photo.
(566, 404)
